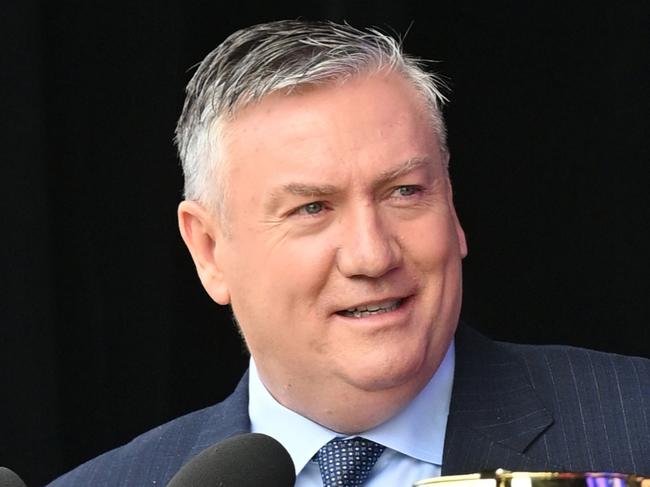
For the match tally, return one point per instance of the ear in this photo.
(460, 233)
(203, 236)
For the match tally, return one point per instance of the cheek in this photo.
(306, 266)
(431, 244)
(278, 280)
(434, 254)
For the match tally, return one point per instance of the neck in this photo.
(347, 409)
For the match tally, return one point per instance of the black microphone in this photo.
(249, 460)
(10, 479)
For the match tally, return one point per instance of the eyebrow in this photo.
(302, 189)
(322, 190)
(406, 167)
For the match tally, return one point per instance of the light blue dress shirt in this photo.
(414, 438)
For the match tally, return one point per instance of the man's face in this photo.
(343, 259)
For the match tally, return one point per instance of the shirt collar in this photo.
(417, 431)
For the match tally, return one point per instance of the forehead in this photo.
(369, 119)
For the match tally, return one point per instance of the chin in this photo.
(388, 373)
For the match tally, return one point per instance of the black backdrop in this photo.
(105, 329)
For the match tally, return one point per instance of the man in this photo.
(319, 206)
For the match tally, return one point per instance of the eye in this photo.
(313, 208)
(407, 190)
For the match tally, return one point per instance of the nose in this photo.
(368, 246)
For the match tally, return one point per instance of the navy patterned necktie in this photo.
(347, 463)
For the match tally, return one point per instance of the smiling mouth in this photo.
(371, 309)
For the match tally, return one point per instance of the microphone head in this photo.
(10, 479)
(249, 460)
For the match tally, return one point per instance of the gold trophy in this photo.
(505, 478)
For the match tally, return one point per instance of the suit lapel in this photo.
(495, 413)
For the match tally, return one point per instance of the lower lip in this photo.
(393, 317)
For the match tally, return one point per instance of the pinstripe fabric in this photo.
(519, 407)
(153, 458)
(525, 407)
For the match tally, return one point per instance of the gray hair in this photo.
(280, 56)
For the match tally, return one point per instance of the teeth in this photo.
(372, 309)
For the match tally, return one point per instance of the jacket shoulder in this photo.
(152, 458)
(547, 407)
(600, 403)
(606, 374)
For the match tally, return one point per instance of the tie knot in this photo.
(347, 463)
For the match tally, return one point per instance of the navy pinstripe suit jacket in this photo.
(519, 407)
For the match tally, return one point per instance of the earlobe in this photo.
(203, 237)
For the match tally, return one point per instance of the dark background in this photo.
(106, 331)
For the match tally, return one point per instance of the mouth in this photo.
(377, 308)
